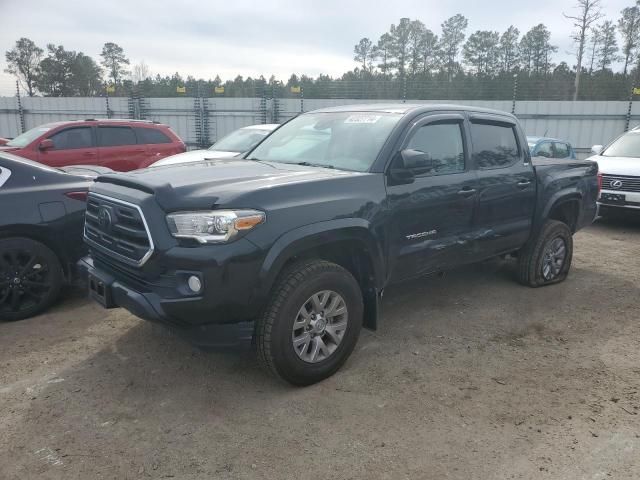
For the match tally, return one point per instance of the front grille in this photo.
(621, 182)
(117, 228)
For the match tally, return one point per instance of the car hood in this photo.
(617, 165)
(193, 156)
(219, 182)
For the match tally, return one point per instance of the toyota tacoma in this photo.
(291, 247)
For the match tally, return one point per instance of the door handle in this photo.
(467, 191)
(523, 184)
(89, 154)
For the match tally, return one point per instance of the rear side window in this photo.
(151, 136)
(115, 136)
(561, 150)
(72, 138)
(544, 150)
(443, 144)
(494, 145)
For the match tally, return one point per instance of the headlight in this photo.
(216, 226)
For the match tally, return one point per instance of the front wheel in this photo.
(547, 259)
(311, 324)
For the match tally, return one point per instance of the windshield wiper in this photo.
(309, 164)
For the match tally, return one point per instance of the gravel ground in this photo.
(470, 376)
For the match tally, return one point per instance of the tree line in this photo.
(408, 61)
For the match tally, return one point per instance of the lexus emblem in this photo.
(616, 184)
(104, 218)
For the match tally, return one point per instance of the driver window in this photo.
(442, 142)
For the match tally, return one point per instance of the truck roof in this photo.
(406, 108)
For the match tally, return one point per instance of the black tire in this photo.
(531, 259)
(31, 277)
(275, 327)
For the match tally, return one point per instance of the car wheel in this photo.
(311, 323)
(547, 260)
(30, 278)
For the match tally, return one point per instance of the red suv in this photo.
(121, 145)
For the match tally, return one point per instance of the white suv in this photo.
(619, 165)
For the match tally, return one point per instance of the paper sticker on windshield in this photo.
(363, 118)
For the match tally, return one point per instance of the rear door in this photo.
(431, 218)
(506, 185)
(72, 146)
(156, 143)
(118, 148)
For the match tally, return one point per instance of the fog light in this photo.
(194, 284)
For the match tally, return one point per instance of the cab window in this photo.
(443, 144)
(494, 145)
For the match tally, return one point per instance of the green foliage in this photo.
(23, 61)
(65, 73)
(114, 61)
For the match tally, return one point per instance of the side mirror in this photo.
(597, 149)
(46, 144)
(416, 160)
(405, 165)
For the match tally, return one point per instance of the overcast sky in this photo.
(206, 38)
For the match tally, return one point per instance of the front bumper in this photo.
(631, 200)
(189, 317)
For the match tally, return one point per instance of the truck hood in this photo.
(617, 165)
(219, 182)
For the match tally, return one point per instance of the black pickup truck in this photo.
(291, 247)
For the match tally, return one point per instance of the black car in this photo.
(41, 216)
(292, 247)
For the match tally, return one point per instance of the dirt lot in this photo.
(470, 376)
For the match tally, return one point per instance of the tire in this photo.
(294, 291)
(31, 278)
(539, 262)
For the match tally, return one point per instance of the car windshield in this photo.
(342, 140)
(27, 137)
(241, 140)
(628, 145)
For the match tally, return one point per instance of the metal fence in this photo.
(202, 121)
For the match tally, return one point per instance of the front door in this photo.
(431, 218)
(71, 146)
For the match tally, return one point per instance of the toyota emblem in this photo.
(616, 184)
(104, 218)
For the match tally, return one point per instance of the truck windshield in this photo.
(27, 137)
(628, 145)
(342, 140)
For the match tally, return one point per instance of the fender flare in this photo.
(314, 235)
(562, 196)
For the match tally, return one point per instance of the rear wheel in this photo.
(30, 278)
(547, 260)
(311, 324)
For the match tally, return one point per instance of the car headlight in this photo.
(215, 226)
